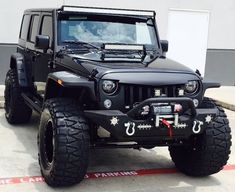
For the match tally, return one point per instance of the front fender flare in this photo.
(70, 80)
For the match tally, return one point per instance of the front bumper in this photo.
(124, 127)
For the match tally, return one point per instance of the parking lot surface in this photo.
(113, 170)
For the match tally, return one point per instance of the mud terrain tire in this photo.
(16, 111)
(207, 153)
(63, 143)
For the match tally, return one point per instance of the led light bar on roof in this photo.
(123, 47)
(109, 11)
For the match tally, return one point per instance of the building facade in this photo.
(200, 32)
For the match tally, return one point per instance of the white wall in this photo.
(221, 28)
(188, 37)
(11, 12)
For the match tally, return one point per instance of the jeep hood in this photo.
(158, 72)
(151, 78)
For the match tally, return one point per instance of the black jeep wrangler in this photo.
(99, 78)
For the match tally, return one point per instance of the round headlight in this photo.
(191, 87)
(109, 86)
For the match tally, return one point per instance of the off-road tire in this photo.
(63, 143)
(207, 153)
(16, 111)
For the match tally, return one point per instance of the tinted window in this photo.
(46, 27)
(34, 27)
(25, 27)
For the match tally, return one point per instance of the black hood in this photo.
(158, 72)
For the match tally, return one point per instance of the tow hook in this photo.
(197, 126)
(130, 128)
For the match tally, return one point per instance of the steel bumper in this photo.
(124, 127)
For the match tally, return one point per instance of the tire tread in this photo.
(72, 141)
(20, 112)
(212, 148)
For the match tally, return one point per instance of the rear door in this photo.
(31, 52)
(23, 45)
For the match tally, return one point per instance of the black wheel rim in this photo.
(48, 144)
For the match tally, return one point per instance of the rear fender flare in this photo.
(18, 62)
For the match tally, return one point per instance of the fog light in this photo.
(181, 92)
(157, 92)
(195, 102)
(107, 103)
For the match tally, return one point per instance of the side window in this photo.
(46, 27)
(24, 27)
(34, 28)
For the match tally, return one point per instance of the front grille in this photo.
(138, 93)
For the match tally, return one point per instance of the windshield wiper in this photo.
(82, 43)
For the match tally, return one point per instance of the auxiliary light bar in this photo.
(109, 11)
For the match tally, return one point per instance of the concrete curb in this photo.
(2, 88)
(1, 104)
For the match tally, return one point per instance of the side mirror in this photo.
(164, 45)
(42, 42)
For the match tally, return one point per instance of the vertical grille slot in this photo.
(140, 94)
(149, 93)
(131, 90)
(166, 91)
(135, 94)
(173, 91)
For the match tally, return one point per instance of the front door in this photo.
(41, 66)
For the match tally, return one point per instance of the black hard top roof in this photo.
(40, 10)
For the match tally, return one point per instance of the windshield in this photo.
(100, 29)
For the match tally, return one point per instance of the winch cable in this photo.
(170, 128)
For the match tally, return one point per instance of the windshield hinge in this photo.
(94, 72)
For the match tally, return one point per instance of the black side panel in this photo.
(18, 62)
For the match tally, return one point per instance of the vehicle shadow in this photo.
(104, 160)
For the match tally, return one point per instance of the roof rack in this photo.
(108, 10)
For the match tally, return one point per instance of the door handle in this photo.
(26, 50)
(35, 56)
